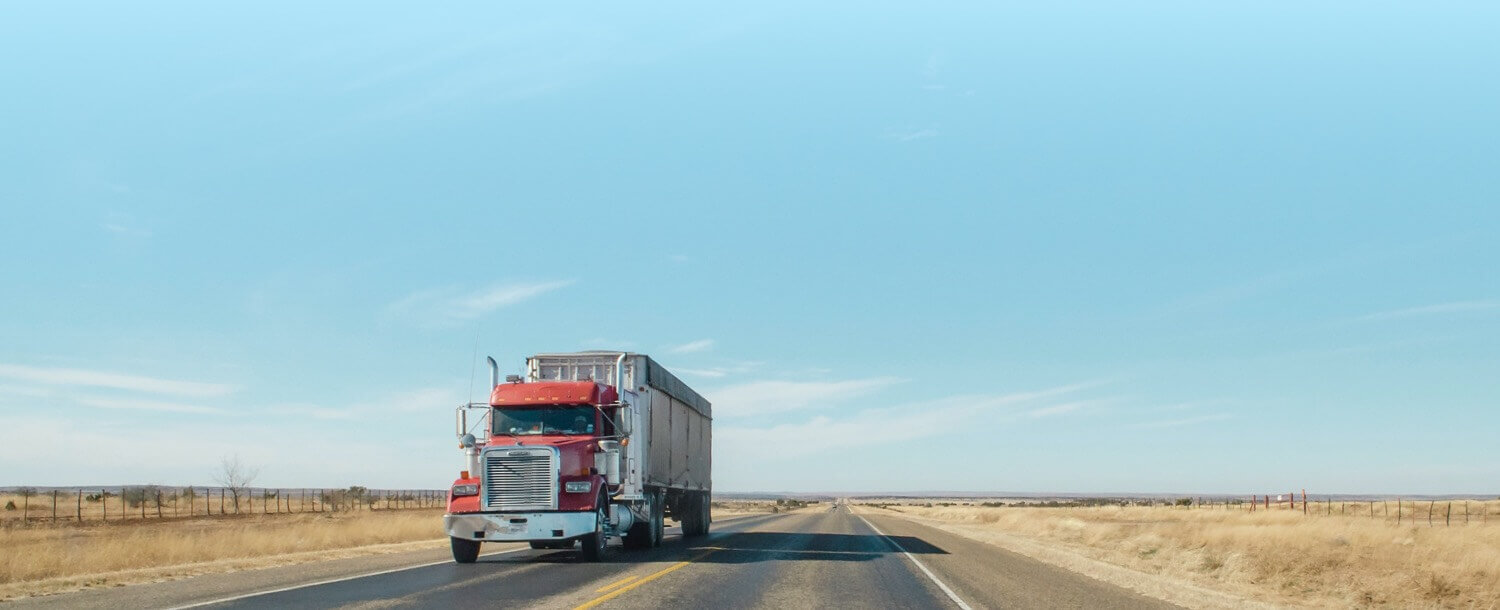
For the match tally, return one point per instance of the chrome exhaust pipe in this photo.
(620, 376)
(494, 372)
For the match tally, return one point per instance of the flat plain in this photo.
(1332, 555)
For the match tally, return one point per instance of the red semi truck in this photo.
(586, 447)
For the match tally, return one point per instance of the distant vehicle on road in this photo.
(588, 446)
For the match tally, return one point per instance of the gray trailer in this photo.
(667, 461)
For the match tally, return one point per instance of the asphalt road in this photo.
(823, 558)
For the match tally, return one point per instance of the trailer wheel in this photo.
(695, 514)
(593, 544)
(687, 514)
(464, 551)
(708, 510)
(658, 518)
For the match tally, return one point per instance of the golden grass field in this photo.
(48, 559)
(42, 558)
(1281, 557)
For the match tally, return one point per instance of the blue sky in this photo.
(1145, 247)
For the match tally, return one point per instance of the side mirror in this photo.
(466, 441)
(622, 417)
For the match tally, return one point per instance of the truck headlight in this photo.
(466, 489)
(578, 487)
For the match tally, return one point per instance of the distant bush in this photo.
(11, 505)
(348, 499)
(136, 496)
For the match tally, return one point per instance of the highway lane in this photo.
(823, 558)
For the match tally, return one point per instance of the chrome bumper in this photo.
(519, 527)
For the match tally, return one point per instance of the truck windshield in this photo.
(543, 420)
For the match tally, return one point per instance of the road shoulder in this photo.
(1152, 586)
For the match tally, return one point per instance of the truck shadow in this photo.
(751, 547)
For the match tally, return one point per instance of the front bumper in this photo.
(519, 527)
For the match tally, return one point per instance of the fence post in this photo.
(1430, 504)
(54, 506)
(104, 504)
(124, 510)
(80, 506)
(1448, 515)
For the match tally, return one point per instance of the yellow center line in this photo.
(622, 590)
(615, 584)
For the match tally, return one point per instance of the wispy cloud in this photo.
(1433, 310)
(421, 400)
(763, 397)
(1186, 421)
(119, 381)
(691, 347)
(900, 423)
(1055, 410)
(712, 373)
(448, 306)
(128, 404)
(716, 372)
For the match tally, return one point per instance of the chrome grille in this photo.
(520, 479)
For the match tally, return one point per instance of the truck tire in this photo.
(639, 536)
(658, 518)
(708, 511)
(594, 544)
(646, 533)
(695, 514)
(464, 551)
(687, 514)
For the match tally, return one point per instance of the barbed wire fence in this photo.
(31, 507)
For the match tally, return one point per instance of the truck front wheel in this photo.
(464, 551)
(593, 544)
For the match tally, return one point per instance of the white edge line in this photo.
(422, 565)
(330, 581)
(930, 576)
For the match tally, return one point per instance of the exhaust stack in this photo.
(494, 372)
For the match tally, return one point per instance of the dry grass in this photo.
(65, 557)
(1279, 556)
